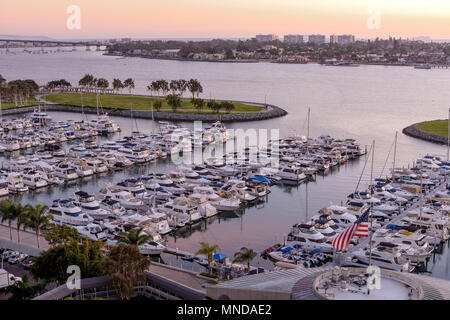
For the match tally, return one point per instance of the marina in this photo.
(268, 223)
(406, 228)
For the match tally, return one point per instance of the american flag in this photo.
(359, 228)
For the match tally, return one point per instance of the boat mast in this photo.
(448, 134)
(371, 206)
(421, 190)
(395, 154)
(1, 114)
(307, 130)
(97, 105)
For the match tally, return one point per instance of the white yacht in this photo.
(81, 167)
(66, 212)
(165, 182)
(10, 144)
(309, 238)
(125, 198)
(158, 221)
(181, 206)
(291, 173)
(135, 186)
(133, 152)
(384, 257)
(15, 183)
(203, 205)
(96, 165)
(90, 206)
(34, 179)
(4, 190)
(223, 202)
(92, 231)
(154, 189)
(65, 172)
(151, 248)
(114, 207)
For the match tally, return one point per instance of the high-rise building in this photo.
(293, 38)
(316, 38)
(345, 39)
(266, 37)
(333, 38)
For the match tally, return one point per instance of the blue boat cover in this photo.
(219, 256)
(287, 249)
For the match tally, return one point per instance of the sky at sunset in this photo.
(226, 18)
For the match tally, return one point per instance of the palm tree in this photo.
(209, 251)
(173, 85)
(129, 83)
(103, 84)
(37, 218)
(182, 86)
(6, 214)
(174, 101)
(117, 85)
(155, 86)
(194, 87)
(86, 81)
(134, 237)
(20, 215)
(245, 254)
(164, 86)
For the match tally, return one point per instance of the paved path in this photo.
(184, 277)
(28, 241)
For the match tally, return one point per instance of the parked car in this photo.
(18, 258)
(7, 279)
(8, 253)
(28, 263)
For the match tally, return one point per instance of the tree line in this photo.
(17, 91)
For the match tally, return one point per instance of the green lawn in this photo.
(438, 127)
(30, 102)
(138, 102)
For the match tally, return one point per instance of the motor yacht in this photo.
(90, 205)
(34, 179)
(15, 183)
(65, 172)
(64, 211)
(125, 198)
(92, 231)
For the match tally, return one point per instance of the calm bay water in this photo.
(366, 103)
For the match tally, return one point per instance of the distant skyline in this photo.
(227, 19)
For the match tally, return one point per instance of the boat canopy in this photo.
(219, 256)
(287, 249)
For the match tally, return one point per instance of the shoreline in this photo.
(413, 131)
(271, 112)
(265, 61)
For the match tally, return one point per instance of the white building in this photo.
(345, 39)
(266, 37)
(316, 38)
(293, 38)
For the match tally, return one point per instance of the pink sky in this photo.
(225, 18)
